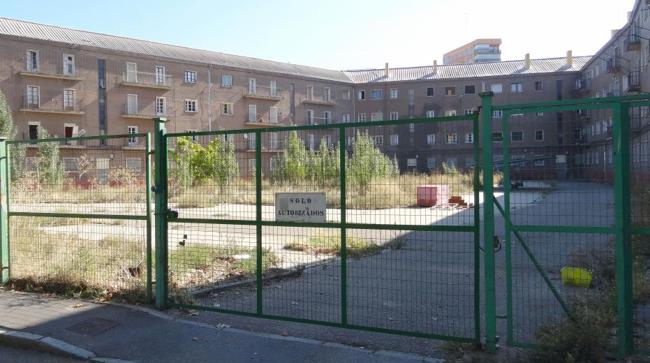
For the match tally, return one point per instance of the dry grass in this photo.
(331, 245)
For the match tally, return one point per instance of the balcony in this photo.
(54, 106)
(132, 111)
(60, 76)
(632, 42)
(634, 81)
(263, 93)
(614, 64)
(319, 100)
(146, 80)
(259, 120)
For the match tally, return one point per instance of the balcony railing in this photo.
(133, 111)
(147, 80)
(263, 93)
(51, 75)
(55, 105)
(487, 51)
(634, 81)
(260, 120)
(319, 100)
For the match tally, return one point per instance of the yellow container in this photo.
(576, 276)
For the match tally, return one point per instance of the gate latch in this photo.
(172, 214)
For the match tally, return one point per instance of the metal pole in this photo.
(258, 220)
(505, 129)
(477, 229)
(344, 250)
(4, 223)
(488, 222)
(624, 273)
(149, 292)
(160, 167)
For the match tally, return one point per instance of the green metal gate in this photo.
(76, 215)
(567, 214)
(374, 263)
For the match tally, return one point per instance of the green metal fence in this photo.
(577, 214)
(372, 263)
(76, 215)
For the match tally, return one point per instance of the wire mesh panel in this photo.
(355, 225)
(78, 214)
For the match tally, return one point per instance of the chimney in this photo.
(614, 32)
(387, 70)
(527, 61)
(435, 66)
(569, 58)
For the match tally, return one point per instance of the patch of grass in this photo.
(331, 245)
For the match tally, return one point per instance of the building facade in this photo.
(73, 83)
(476, 51)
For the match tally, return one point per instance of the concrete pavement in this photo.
(143, 335)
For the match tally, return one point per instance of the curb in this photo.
(26, 340)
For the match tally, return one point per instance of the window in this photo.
(311, 141)
(361, 116)
(274, 141)
(411, 127)
(377, 94)
(345, 118)
(310, 117)
(252, 86)
(33, 129)
(252, 163)
(394, 140)
(469, 111)
(226, 81)
(540, 114)
(497, 136)
(33, 96)
(273, 88)
(132, 140)
(252, 141)
(539, 86)
(252, 113)
(273, 115)
(190, 106)
(431, 114)
(161, 106)
(134, 164)
(131, 72)
(450, 91)
(376, 116)
(310, 92)
(131, 104)
(68, 64)
(539, 135)
(226, 108)
(361, 95)
(32, 61)
(160, 75)
(328, 94)
(190, 77)
(517, 136)
(346, 94)
(470, 89)
(516, 88)
(327, 117)
(469, 138)
(412, 162)
(69, 99)
(496, 88)
(497, 114)
(452, 138)
(540, 163)
(378, 140)
(394, 93)
(431, 139)
(429, 91)
(394, 116)
(431, 163)
(70, 164)
(450, 113)
(102, 166)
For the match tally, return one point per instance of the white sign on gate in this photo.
(300, 207)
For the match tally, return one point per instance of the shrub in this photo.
(50, 165)
(368, 163)
(197, 164)
(293, 163)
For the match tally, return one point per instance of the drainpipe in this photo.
(209, 99)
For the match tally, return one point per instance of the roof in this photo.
(30, 30)
(462, 71)
(25, 29)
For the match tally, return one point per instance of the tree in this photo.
(50, 165)
(197, 164)
(294, 160)
(7, 129)
(6, 121)
(368, 163)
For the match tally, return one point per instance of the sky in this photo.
(343, 34)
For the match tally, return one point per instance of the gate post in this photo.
(488, 222)
(4, 222)
(624, 262)
(160, 189)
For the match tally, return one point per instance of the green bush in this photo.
(197, 164)
(368, 163)
(50, 165)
